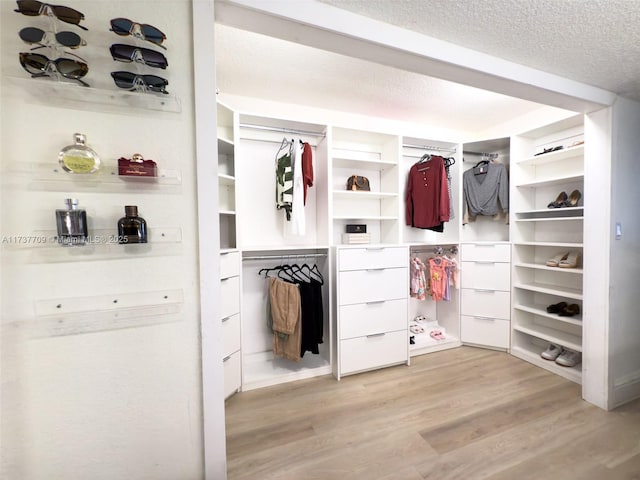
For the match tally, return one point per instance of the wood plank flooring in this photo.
(466, 413)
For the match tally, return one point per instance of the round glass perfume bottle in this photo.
(78, 158)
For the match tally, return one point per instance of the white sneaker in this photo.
(569, 359)
(552, 352)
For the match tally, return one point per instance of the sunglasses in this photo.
(124, 27)
(40, 66)
(36, 36)
(131, 81)
(129, 53)
(33, 8)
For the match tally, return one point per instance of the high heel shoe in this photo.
(560, 201)
(573, 199)
(570, 261)
(555, 261)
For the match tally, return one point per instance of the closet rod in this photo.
(282, 130)
(430, 147)
(285, 257)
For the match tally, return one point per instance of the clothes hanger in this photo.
(315, 271)
(480, 167)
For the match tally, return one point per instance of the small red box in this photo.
(137, 167)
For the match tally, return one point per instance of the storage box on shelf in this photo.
(548, 161)
(371, 308)
(485, 306)
(375, 156)
(230, 318)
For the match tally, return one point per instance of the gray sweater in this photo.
(482, 192)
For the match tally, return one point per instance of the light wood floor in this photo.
(461, 414)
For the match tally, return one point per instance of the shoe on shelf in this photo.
(569, 358)
(559, 201)
(552, 352)
(570, 310)
(412, 340)
(573, 199)
(556, 307)
(572, 260)
(556, 260)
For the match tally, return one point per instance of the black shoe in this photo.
(556, 308)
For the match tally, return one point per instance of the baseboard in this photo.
(625, 389)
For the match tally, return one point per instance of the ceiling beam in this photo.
(325, 27)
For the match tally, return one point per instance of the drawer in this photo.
(364, 319)
(365, 353)
(229, 264)
(485, 303)
(232, 373)
(373, 257)
(488, 252)
(485, 274)
(362, 286)
(229, 296)
(230, 334)
(486, 331)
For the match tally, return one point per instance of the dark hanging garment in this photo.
(312, 316)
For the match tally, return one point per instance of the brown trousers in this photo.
(286, 314)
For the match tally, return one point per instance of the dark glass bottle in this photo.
(132, 228)
(72, 224)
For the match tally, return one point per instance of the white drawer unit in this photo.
(488, 252)
(488, 331)
(232, 374)
(372, 308)
(485, 304)
(229, 316)
(372, 257)
(486, 275)
(373, 351)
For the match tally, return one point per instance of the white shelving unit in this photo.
(226, 177)
(538, 233)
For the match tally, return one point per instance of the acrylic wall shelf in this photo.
(72, 316)
(42, 246)
(68, 93)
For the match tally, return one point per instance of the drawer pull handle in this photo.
(224, 279)
(226, 358)
(375, 269)
(376, 335)
(377, 302)
(374, 249)
(225, 319)
(484, 318)
(482, 262)
(484, 290)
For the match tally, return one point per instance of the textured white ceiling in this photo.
(596, 42)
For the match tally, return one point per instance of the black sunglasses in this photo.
(33, 8)
(40, 66)
(132, 81)
(129, 53)
(40, 37)
(124, 26)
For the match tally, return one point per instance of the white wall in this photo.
(115, 403)
(624, 324)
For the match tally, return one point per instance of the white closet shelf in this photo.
(549, 244)
(559, 180)
(225, 146)
(357, 163)
(538, 266)
(561, 291)
(353, 195)
(554, 156)
(531, 354)
(363, 217)
(555, 219)
(541, 311)
(226, 179)
(425, 344)
(553, 212)
(262, 370)
(226, 212)
(572, 342)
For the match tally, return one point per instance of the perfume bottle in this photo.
(132, 228)
(72, 224)
(78, 158)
